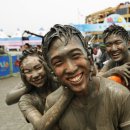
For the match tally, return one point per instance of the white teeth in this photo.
(37, 80)
(116, 54)
(76, 79)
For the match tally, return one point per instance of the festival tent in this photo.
(18, 39)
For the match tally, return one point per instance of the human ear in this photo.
(54, 77)
(91, 72)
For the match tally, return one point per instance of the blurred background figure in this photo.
(27, 46)
(2, 51)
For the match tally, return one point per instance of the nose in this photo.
(114, 47)
(70, 67)
(35, 74)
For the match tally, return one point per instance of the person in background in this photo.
(116, 40)
(104, 57)
(27, 46)
(97, 53)
(68, 57)
(22, 48)
(2, 51)
(39, 48)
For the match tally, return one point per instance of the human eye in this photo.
(108, 44)
(27, 71)
(57, 63)
(38, 67)
(76, 55)
(118, 42)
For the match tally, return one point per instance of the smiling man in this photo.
(116, 41)
(98, 103)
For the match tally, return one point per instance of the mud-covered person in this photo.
(98, 103)
(116, 40)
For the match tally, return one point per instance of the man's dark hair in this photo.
(115, 29)
(58, 31)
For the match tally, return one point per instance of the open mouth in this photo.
(115, 55)
(76, 79)
(38, 80)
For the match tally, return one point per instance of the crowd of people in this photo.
(66, 85)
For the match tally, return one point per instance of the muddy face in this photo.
(70, 63)
(116, 47)
(34, 71)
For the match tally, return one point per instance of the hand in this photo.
(123, 71)
(67, 92)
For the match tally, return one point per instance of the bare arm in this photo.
(106, 71)
(14, 95)
(123, 71)
(51, 116)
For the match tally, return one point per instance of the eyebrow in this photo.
(113, 41)
(71, 51)
(37, 65)
(55, 58)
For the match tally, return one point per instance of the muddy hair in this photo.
(66, 31)
(117, 30)
(32, 52)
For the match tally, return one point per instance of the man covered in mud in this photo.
(116, 40)
(98, 103)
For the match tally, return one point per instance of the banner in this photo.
(99, 27)
(4, 66)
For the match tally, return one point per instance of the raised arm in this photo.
(14, 95)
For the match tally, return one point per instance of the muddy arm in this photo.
(123, 71)
(14, 95)
(51, 115)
